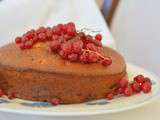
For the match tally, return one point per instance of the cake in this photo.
(39, 75)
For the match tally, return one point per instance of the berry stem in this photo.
(86, 50)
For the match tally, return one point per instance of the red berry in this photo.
(97, 43)
(128, 91)
(91, 46)
(84, 57)
(77, 47)
(64, 29)
(71, 31)
(62, 39)
(55, 37)
(55, 46)
(30, 34)
(81, 35)
(92, 57)
(42, 37)
(106, 61)
(146, 87)
(109, 96)
(48, 43)
(146, 79)
(123, 83)
(63, 54)
(135, 87)
(98, 37)
(55, 101)
(28, 44)
(139, 78)
(60, 26)
(120, 90)
(22, 46)
(24, 39)
(56, 30)
(1, 93)
(41, 30)
(76, 38)
(35, 39)
(70, 24)
(18, 40)
(49, 33)
(67, 37)
(73, 57)
(67, 48)
(89, 39)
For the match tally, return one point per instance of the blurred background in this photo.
(130, 26)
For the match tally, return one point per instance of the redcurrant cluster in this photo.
(140, 83)
(67, 42)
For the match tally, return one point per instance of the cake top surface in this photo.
(41, 59)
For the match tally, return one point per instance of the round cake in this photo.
(40, 75)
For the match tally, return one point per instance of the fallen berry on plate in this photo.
(135, 87)
(128, 91)
(139, 78)
(55, 101)
(146, 87)
(109, 96)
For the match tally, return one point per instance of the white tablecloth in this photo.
(17, 17)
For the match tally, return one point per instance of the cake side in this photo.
(37, 86)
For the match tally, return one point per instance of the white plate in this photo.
(22, 107)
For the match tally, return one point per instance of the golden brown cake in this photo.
(40, 75)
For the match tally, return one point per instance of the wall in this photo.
(136, 30)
